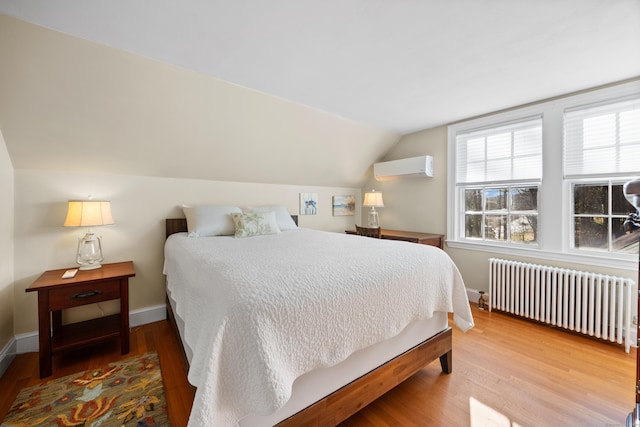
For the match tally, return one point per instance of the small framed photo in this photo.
(344, 205)
(308, 203)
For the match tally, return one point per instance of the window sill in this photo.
(622, 261)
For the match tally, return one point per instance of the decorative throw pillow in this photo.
(255, 224)
(285, 222)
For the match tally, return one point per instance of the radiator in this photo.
(593, 304)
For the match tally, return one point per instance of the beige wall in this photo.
(139, 206)
(416, 204)
(69, 104)
(420, 204)
(6, 246)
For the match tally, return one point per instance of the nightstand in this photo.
(55, 294)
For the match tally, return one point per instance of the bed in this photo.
(303, 326)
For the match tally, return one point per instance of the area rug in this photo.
(125, 393)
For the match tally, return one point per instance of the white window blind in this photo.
(505, 152)
(602, 139)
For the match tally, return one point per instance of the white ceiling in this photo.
(399, 65)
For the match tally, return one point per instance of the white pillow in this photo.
(285, 222)
(255, 224)
(210, 220)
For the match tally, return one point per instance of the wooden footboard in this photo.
(346, 401)
(342, 403)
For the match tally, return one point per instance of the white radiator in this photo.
(593, 304)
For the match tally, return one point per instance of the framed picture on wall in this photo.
(344, 205)
(308, 203)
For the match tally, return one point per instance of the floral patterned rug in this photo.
(125, 393)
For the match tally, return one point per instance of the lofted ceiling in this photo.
(384, 68)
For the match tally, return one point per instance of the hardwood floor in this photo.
(159, 337)
(511, 372)
(506, 372)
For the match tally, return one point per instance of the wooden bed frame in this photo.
(346, 401)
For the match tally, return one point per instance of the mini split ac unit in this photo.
(412, 167)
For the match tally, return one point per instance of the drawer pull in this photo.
(86, 294)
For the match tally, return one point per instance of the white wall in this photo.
(6, 246)
(139, 206)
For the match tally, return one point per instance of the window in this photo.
(546, 180)
(599, 212)
(502, 214)
(498, 172)
(601, 140)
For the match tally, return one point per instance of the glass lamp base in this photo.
(373, 221)
(89, 252)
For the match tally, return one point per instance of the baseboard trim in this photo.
(142, 316)
(28, 342)
(474, 296)
(7, 354)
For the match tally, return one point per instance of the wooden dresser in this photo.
(430, 239)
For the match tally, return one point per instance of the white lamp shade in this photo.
(373, 200)
(88, 213)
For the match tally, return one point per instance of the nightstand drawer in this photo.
(89, 293)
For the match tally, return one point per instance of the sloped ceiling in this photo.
(379, 69)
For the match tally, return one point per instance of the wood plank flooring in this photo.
(158, 336)
(506, 372)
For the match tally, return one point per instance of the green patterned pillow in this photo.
(255, 224)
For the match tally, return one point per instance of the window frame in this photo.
(508, 212)
(609, 215)
(555, 209)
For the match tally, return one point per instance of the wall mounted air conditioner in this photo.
(412, 167)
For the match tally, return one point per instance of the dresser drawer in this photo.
(88, 293)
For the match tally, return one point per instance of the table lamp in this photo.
(89, 213)
(373, 200)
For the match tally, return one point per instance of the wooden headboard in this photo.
(179, 225)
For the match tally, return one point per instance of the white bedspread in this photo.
(261, 311)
